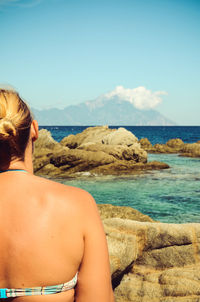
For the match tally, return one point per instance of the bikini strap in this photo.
(11, 170)
(40, 290)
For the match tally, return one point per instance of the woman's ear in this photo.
(34, 130)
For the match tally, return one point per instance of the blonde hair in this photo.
(15, 123)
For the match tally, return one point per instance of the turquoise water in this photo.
(171, 195)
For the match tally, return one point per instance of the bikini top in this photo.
(38, 291)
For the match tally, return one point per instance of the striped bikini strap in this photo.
(40, 290)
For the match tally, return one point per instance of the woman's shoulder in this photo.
(63, 193)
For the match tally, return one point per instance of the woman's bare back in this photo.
(41, 234)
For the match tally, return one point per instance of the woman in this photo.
(53, 246)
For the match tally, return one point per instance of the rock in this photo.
(176, 143)
(170, 285)
(91, 134)
(91, 152)
(170, 147)
(191, 150)
(155, 165)
(145, 144)
(110, 211)
(44, 148)
(128, 167)
(70, 141)
(76, 160)
(116, 151)
(49, 170)
(41, 159)
(162, 148)
(154, 261)
(121, 136)
(45, 140)
(100, 134)
(135, 152)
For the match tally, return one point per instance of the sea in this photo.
(171, 195)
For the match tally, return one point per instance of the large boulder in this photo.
(97, 150)
(91, 134)
(121, 152)
(175, 143)
(100, 134)
(154, 261)
(191, 150)
(120, 136)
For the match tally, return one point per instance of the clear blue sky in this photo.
(62, 52)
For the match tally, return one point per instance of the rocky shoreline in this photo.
(95, 151)
(102, 151)
(175, 145)
(152, 261)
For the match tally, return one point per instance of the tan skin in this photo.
(48, 232)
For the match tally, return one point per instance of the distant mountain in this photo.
(113, 111)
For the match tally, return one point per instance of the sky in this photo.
(63, 52)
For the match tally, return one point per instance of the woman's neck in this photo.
(18, 165)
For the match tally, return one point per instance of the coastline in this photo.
(169, 195)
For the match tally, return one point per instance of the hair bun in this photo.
(7, 129)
